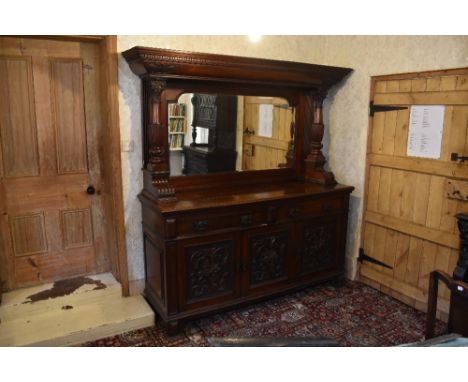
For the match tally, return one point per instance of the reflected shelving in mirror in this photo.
(213, 133)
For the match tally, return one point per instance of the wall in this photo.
(346, 107)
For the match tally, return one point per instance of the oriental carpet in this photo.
(353, 315)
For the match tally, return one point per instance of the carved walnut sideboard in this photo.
(219, 240)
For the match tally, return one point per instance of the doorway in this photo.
(60, 173)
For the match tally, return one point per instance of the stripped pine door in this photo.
(409, 211)
(50, 138)
(262, 153)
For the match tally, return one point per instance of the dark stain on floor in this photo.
(65, 287)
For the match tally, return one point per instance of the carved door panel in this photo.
(50, 134)
(266, 262)
(318, 245)
(266, 152)
(208, 269)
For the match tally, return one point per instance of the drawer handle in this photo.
(294, 212)
(246, 220)
(200, 225)
(327, 208)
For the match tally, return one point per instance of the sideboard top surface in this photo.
(247, 194)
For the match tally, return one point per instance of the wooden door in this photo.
(51, 130)
(261, 152)
(409, 210)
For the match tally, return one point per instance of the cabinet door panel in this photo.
(318, 248)
(267, 257)
(208, 270)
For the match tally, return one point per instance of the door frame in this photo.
(107, 46)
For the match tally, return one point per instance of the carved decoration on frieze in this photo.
(268, 257)
(160, 58)
(209, 270)
(318, 251)
(160, 67)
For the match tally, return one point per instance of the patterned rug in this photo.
(353, 314)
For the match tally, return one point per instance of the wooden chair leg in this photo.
(458, 287)
(432, 304)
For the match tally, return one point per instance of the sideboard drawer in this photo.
(308, 208)
(201, 223)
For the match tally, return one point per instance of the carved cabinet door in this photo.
(318, 245)
(208, 270)
(266, 261)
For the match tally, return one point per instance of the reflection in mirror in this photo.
(221, 133)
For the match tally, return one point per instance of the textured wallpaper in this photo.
(346, 107)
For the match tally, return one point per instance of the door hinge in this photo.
(363, 257)
(381, 108)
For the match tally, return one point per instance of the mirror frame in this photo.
(167, 74)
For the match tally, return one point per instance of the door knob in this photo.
(90, 190)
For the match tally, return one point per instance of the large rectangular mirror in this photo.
(211, 133)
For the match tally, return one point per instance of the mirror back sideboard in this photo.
(215, 241)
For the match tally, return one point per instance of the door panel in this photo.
(28, 234)
(267, 257)
(17, 118)
(66, 79)
(209, 270)
(318, 245)
(50, 137)
(409, 216)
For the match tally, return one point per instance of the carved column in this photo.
(157, 156)
(461, 270)
(314, 129)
